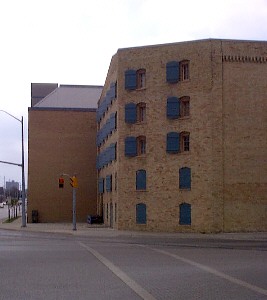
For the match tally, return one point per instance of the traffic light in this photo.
(61, 183)
(74, 181)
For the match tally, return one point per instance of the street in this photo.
(59, 266)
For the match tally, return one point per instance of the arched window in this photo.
(185, 214)
(185, 178)
(184, 70)
(141, 112)
(141, 78)
(185, 106)
(184, 141)
(140, 213)
(141, 145)
(141, 180)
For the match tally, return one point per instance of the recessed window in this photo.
(185, 178)
(141, 145)
(141, 78)
(141, 213)
(185, 106)
(185, 141)
(141, 180)
(115, 183)
(185, 214)
(173, 142)
(184, 70)
(141, 112)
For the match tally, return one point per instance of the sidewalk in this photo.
(84, 229)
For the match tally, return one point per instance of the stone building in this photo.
(62, 134)
(181, 141)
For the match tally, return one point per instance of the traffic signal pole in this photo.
(74, 184)
(74, 208)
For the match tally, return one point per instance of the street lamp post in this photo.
(23, 217)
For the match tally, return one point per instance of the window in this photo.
(135, 79)
(140, 213)
(115, 183)
(141, 112)
(185, 106)
(109, 183)
(113, 91)
(115, 212)
(185, 214)
(184, 70)
(130, 146)
(141, 145)
(141, 78)
(185, 178)
(172, 72)
(100, 185)
(185, 141)
(130, 113)
(173, 142)
(130, 80)
(173, 108)
(141, 180)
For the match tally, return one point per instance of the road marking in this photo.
(144, 294)
(214, 272)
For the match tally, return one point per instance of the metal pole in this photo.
(74, 208)
(22, 168)
(23, 179)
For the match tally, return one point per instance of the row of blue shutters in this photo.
(172, 144)
(106, 156)
(141, 178)
(107, 129)
(184, 214)
(172, 75)
(109, 154)
(172, 110)
(106, 102)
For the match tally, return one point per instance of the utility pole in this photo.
(23, 217)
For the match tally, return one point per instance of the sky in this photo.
(72, 42)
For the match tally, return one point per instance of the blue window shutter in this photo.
(172, 71)
(108, 183)
(101, 185)
(108, 98)
(97, 163)
(112, 122)
(101, 160)
(130, 113)
(113, 151)
(173, 142)
(173, 108)
(185, 214)
(113, 90)
(130, 146)
(141, 180)
(141, 213)
(185, 178)
(130, 80)
(108, 127)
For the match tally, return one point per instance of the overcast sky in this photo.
(72, 42)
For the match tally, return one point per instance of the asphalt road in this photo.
(53, 266)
